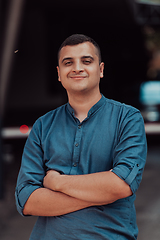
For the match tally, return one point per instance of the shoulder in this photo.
(49, 116)
(120, 109)
(121, 113)
(121, 106)
(44, 123)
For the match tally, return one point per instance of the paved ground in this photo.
(148, 198)
(15, 227)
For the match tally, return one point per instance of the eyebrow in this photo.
(64, 59)
(88, 57)
(83, 57)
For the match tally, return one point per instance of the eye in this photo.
(87, 62)
(68, 63)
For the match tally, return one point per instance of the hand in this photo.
(50, 181)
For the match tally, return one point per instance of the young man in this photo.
(83, 162)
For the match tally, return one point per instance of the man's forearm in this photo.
(97, 187)
(44, 202)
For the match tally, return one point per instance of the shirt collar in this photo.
(93, 109)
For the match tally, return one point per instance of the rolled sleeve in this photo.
(31, 173)
(22, 195)
(131, 150)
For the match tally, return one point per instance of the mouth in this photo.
(76, 77)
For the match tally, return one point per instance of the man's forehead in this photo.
(79, 50)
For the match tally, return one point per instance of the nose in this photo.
(78, 67)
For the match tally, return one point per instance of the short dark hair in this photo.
(76, 39)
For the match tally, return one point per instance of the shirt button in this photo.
(75, 164)
(137, 165)
(79, 126)
(76, 144)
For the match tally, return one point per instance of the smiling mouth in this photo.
(78, 77)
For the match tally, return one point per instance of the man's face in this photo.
(79, 69)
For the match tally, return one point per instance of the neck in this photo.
(82, 103)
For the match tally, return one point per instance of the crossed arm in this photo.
(63, 194)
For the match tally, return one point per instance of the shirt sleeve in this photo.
(130, 152)
(32, 172)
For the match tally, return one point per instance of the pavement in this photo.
(148, 198)
(15, 227)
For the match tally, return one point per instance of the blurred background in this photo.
(128, 32)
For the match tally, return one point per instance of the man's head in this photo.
(80, 67)
(76, 39)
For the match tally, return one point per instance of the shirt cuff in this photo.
(21, 196)
(128, 175)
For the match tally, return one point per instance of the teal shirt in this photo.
(111, 137)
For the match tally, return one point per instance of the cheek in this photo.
(61, 76)
(64, 73)
(95, 73)
(94, 70)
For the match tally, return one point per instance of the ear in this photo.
(101, 69)
(58, 74)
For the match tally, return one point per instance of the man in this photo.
(83, 162)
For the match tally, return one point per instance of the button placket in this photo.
(76, 150)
